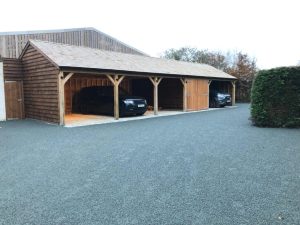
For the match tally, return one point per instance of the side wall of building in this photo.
(40, 86)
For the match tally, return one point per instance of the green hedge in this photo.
(275, 98)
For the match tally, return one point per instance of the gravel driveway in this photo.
(200, 168)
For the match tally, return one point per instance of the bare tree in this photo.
(216, 59)
(235, 63)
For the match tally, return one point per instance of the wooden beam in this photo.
(184, 83)
(116, 80)
(155, 81)
(152, 80)
(120, 79)
(68, 77)
(61, 97)
(155, 95)
(209, 82)
(111, 78)
(233, 92)
(159, 80)
(116, 101)
(62, 80)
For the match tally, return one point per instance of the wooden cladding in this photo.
(12, 70)
(40, 87)
(14, 100)
(197, 94)
(76, 83)
(12, 45)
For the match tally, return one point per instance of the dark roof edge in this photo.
(135, 73)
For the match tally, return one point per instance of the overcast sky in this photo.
(269, 30)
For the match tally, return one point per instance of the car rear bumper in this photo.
(132, 110)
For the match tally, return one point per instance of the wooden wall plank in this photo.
(197, 94)
(40, 87)
(12, 70)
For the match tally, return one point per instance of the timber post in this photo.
(184, 83)
(209, 82)
(61, 94)
(116, 80)
(155, 81)
(233, 92)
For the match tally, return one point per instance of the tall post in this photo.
(61, 95)
(62, 80)
(184, 83)
(155, 94)
(233, 92)
(116, 101)
(116, 80)
(155, 81)
(209, 82)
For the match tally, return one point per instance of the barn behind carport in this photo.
(53, 73)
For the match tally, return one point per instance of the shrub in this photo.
(275, 98)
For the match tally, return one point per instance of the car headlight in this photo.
(221, 97)
(128, 102)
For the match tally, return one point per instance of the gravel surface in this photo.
(200, 168)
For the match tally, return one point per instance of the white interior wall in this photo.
(2, 94)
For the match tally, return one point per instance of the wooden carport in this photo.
(116, 80)
(70, 60)
(191, 97)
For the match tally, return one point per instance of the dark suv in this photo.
(100, 100)
(217, 99)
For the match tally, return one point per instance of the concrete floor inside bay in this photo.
(78, 120)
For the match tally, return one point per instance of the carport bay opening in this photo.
(161, 93)
(223, 86)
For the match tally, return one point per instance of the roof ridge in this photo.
(121, 53)
(80, 46)
(66, 55)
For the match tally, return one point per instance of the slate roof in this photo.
(88, 58)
